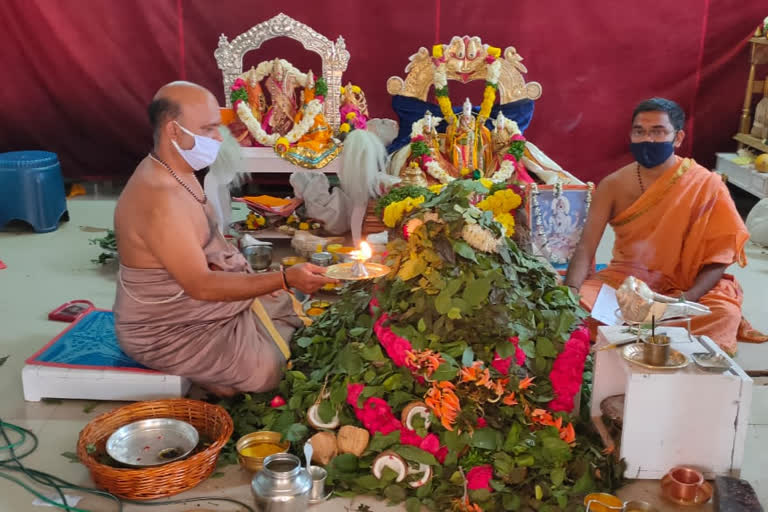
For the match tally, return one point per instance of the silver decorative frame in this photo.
(335, 57)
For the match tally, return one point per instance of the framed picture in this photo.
(557, 216)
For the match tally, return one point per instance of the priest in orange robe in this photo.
(676, 228)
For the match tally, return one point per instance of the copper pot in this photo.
(682, 483)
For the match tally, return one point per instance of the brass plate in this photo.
(703, 494)
(343, 271)
(634, 354)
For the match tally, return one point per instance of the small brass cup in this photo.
(656, 350)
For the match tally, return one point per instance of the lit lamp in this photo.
(359, 258)
(359, 269)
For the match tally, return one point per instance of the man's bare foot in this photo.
(221, 391)
(749, 334)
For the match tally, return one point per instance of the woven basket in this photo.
(211, 421)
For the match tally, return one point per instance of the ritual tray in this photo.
(634, 354)
(343, 271)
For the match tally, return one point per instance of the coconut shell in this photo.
(387, 459)
(324, 447)
(352, 440)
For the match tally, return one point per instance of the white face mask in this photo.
(202, 154)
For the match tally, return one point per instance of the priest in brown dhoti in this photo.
(187, 301)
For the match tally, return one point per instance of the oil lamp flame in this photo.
(360, 257)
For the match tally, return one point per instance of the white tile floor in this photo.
(46, 270)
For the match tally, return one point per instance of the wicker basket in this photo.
(211, 421)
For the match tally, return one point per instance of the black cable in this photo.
(48, 480)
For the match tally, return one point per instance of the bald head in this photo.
(190, 105)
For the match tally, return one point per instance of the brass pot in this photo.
(270, 444)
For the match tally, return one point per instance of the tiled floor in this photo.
(46, 270)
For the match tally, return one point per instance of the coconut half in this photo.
(313, 418)
(425, 470)
(412, 410)
(392, 461)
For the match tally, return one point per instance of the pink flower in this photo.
(502, 365)
(235, 104)
(567, 370)
(441, 454)
(489, 59)
(509, 157)
(410, 437)
(517, 136)
(426, 159)
(238, 84)
(418, 138)
(353, 392)
(481, 423)
(430, 444)
(406, 234)
(278, 401)
(479, 477)
(395, 346)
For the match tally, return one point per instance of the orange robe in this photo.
(684, 221)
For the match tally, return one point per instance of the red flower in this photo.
(489, 59)
(441, 454)
(395, 346)
(481, 423)
(509, 157)
(238, 84)
(353, 392)
(517, 136)
(502, 365)
(418, 138)
(278, 401)
(479, 477)
(567, 370)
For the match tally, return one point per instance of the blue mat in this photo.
(88, 343)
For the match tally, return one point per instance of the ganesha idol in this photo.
(291, 121)
(485, 141)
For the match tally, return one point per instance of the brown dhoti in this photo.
(211, 343)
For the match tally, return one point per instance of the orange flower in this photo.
(499, 386)
(567, 434)
(464, 505)
(510, 399)
(526, 383)
(426, 361)
(471, 373)
(443, 403)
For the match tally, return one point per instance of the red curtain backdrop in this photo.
(78, 74)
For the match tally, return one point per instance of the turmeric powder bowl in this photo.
(253, 448)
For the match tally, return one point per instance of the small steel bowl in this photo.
(152, 442)
(254, 439)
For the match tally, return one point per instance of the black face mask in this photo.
(651, 154)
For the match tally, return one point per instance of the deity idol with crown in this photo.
(281, 113)
(468, 142)
(423, 162)
(316, 147)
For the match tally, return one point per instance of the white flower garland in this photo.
(494, 72)
(480, 238)
(436, 171)
(506, 170)
(299, 129)
(433, 167)
(264, 69)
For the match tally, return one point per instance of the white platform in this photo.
(51, 382)
(687, 416)
(746, 178)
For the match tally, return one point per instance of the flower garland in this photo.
(299, 129)
(512, 162)
(440, 82)
(502, 204)
(353, 118)
(480, 238)
(239, 97)
(568, 369)
(395, 211)
(423, 152)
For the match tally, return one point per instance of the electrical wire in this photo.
(58, 484)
